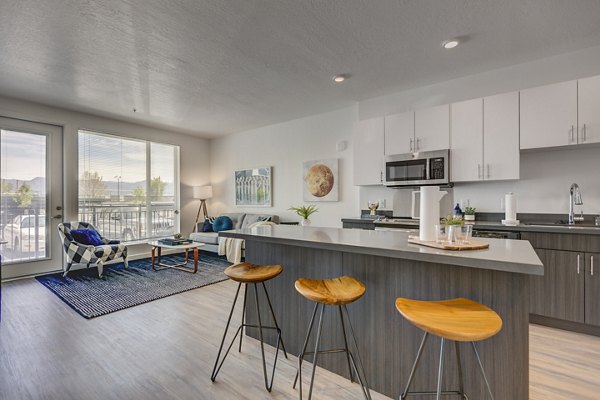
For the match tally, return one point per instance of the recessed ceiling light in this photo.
(450, 44)
(340, 78)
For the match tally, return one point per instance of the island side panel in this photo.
(388, 344)
(391, 343)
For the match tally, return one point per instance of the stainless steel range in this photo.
(399, 223)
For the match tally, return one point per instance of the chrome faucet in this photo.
(574, 198)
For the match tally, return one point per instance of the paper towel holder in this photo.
(507, 221)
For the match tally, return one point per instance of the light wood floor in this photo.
(165, 350)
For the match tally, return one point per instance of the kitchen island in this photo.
(390, 267)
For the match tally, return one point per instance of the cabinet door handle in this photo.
(592, 265)
(571, 131)
(488, 170)
(418, 144)
(411, 144)
(478, 171)
(380, 176)
(584, 133)
(578, 256)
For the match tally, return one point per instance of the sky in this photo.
(22, 157)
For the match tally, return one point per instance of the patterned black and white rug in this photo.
(121, 288)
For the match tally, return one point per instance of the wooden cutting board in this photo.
(472, 245)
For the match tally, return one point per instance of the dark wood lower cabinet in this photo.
(560, 293)
(568, 295)
(592, 288)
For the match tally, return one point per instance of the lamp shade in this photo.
(203, 192)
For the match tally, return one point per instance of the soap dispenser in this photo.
(457, 211)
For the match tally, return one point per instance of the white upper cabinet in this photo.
(466, 141)
(368, 143)
(484, 136)
(501, 155)
(549, 116)
(399, 133)
(432, 128)
(589, 110)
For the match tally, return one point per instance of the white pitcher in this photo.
(429, 211)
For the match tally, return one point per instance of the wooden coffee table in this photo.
(157, 250)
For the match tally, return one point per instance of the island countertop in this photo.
(517, 256)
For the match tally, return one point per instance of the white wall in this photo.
(545, 176)
(194, 160)
(284, 147)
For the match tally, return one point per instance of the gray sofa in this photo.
(240, 221)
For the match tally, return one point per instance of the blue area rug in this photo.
(121, 288)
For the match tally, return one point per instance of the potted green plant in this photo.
(305, 212)
(469, 213)
(453, 224)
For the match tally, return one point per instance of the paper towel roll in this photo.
(510, 207)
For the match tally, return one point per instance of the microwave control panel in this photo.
(436, 168)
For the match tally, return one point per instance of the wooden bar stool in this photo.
(246, 273)
(334, 292)
(459, 320)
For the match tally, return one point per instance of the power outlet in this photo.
(382, 203)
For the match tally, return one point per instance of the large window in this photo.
(128, 188)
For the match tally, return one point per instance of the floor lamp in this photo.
(202, 193)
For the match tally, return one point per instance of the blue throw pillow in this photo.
(208, 227)
(87, 236)
(222, 223)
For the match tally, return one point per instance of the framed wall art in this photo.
(253, 187)
(320, 180)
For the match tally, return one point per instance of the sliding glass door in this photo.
(30, 197)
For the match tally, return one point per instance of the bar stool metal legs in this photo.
(487, 384)
(219, 361)
(358, 369)
(439, 392)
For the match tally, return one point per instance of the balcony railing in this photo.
(26, 230)
(129, 223)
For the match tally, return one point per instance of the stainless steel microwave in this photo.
(418, 169)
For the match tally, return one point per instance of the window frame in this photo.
(149, 206)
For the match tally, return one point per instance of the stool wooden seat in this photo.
(338, 291)
(461, 320)
(250, 273)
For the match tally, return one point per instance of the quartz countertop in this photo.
(517, 256)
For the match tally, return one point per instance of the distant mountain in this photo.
(38, 185)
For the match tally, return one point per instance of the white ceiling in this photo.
(215, 67)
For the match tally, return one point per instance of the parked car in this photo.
(23, 235)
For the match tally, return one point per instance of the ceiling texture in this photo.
(212, 68)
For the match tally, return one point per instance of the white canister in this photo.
(429, 211)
